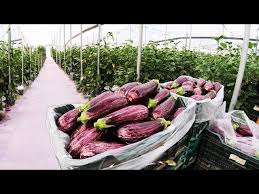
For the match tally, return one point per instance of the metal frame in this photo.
(81, 52)
(204, 37)
(246, 40)
(71, 46)
(60, 46)
(65, 48)
(139, 51)
(22, 61)
(83, 31)
(165, 34)
(98, 49)
(190, 37)
(30, 61)
(9, 53)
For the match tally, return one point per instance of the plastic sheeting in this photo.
(131, 157)
(222, 123)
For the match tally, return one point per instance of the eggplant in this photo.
(162, 95)
(126, 114)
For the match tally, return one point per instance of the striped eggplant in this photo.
(85, 137)
(197, 91)
(211, 94)
(68, 120)
(140, 92)
(98, 147)
(103, 107)
(244, 130)
(100, 97)
(177, 112)
(208, 86)
(200, 82)
(188, 83)
(123, 90)
(162, 95)
(135, 132)
(217, 86)
(130, 113)
(181, 79)
(168, 85)
(164, 110)
(96, 100)
(185, 90)
(79, 130)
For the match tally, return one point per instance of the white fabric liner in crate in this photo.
(205, 108)
(248, 145)
(134, 156)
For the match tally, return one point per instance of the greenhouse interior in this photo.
(70, 96)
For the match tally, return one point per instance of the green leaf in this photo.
(223, 45)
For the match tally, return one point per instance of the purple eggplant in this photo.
(161, 96)
(197, 91)
(135, 132)
(177, 112)
(142, 91)
(208, 86)
(164, 110)
(97, 147)
(211, 94)
(217, 86)
(123, 90)
(130, 113)
(200, 82)
(85, 137)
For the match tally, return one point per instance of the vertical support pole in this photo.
(22, 61)
(139, 51)
(81, 54)
(166, 35)
(65, 48)
(35, 60)
(56, 48)
(130, 32)
(71, 46)
(60, 46)
(186, 36)
(190, 37)
(38, 59)
(116, 39)
(9, 52)
(241, 68)
(41, 59)
(98, 50)
(145, 34)
(30, 62)
(256, 40)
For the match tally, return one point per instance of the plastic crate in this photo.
(183, 154)
(215, 155)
